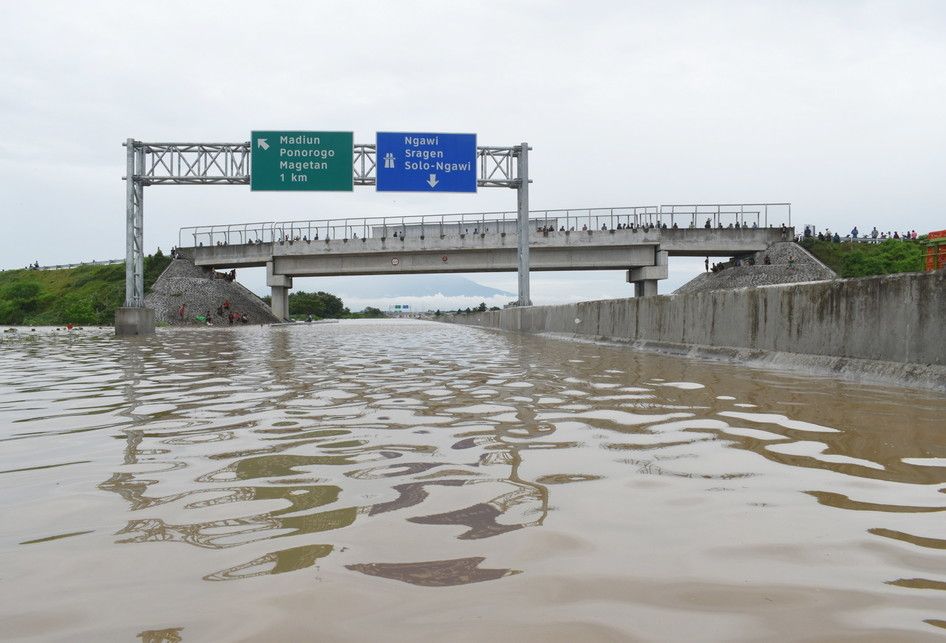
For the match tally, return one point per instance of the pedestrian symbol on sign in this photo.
(389, 161)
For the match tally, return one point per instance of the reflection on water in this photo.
(168, 635)
(344, 457)
(435, 573)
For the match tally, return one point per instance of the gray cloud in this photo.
(835, 106)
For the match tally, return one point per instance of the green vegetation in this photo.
(868, 259)
(321, 305)
(85, 295)
(370, 312)
(479, 309)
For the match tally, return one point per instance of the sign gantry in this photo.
(321, 161)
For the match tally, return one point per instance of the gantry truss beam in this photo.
(229, 164)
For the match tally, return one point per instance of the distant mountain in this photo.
(386, 286)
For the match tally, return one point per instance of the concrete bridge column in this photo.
(280, 301)
(645, 288)
(645, 278)
(279, 291)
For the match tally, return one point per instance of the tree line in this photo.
(322, 305)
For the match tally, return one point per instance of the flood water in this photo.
(401, 480)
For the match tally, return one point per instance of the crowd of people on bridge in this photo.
(733, 225)
(875, 236)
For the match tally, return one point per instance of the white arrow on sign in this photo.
(432, 181)
(261, 142)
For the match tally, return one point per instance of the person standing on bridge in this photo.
(181, 311)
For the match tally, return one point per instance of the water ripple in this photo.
(428, 454)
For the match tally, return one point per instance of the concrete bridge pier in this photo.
(279, 291)
(645, 288)
(645, 278)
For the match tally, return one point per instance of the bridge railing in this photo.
(721, 215)
(483, 223)
(225, 235)
(498, 222)
(596, 218)
(386, 227)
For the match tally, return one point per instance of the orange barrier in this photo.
(935, 250)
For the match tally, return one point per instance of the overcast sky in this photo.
(835, 106)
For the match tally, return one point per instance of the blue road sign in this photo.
(425, 162)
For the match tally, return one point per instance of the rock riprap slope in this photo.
(184, 283)
(790, 263)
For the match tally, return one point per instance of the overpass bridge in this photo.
(637, 239)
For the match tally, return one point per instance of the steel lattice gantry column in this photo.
(134, 228)
(133, 318)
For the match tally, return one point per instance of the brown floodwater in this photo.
(405, 480)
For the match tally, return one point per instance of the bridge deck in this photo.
(483, 251)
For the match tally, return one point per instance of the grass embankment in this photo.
(868, 259)
(85, 295)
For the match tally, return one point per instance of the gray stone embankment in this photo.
(888, 329)
(790, 263)
(184, 283)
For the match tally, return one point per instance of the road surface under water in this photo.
(400, 480)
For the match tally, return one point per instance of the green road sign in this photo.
(301, 160)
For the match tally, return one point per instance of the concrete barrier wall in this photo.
(899, 318)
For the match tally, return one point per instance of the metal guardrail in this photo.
(66, 266)
(873, 240)
(499, 222)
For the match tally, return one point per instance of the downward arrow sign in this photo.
(432, 181)
(261, 142)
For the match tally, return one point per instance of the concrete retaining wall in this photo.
(898, 319)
